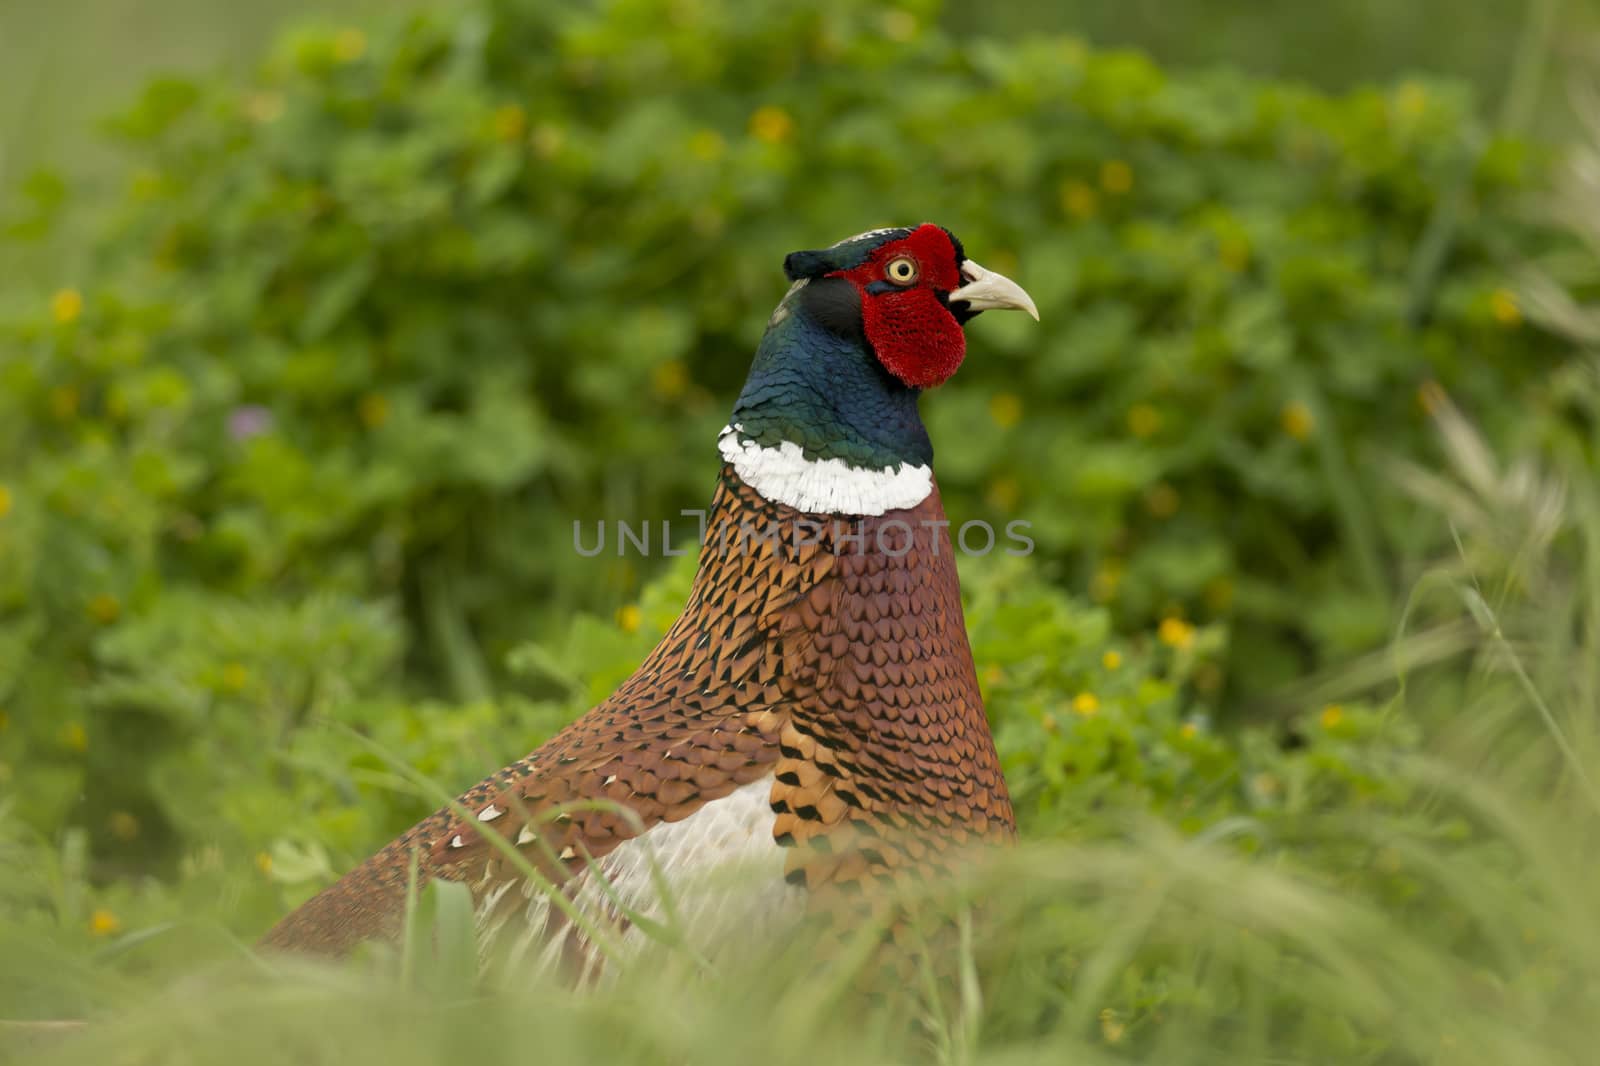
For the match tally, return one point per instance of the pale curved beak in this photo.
(986, 290)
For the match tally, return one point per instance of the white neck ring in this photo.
(784, 475)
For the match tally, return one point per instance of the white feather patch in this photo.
(880, 231)
(720, 869)
(823, 486)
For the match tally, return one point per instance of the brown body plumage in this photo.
(827, 653)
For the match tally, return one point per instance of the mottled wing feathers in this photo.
(697, 720)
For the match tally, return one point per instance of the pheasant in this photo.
(812, 717)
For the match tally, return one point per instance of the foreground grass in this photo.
(1445, 914)
(1256, 964)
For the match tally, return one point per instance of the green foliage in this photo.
(1092, 727)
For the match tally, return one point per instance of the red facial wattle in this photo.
(914, 334)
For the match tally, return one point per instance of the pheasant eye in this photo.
(902, 270)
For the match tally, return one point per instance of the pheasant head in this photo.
(828, 420)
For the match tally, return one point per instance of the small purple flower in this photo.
(251, 420)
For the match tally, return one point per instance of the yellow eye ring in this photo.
(902, 270)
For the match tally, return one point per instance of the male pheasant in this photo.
(813, 715)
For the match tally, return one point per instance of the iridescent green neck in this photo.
(816, 383)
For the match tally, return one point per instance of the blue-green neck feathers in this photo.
(816, 383)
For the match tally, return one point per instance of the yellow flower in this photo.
(628, 618)
(1086, 704)
(1189, 730)
(66, 306)
(508, 122)
(1003, 493)
(1116, 177)
(548, 139)
(103, 923)
(74, 737)
(264, 107)
(1006, 409)
(771, 124)
(123, 825)
(1234, 251)
(1078, 200)
(373, 410)
(1162, 500)
(1175, 633)
(264, 862)
(899, 25)
(105, 608)
(1297, 420)
(1331, 716)
(1107, 576)
(707, 145)
(235, 677)
(669, 379)
(1110, 1027)
(349, 46)
(5, 501)
(1111, 660)
(1411, 99)
(1503, 305)
(1144, 420)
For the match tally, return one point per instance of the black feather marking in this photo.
(798, 265)
(835, 305)
(962, 310)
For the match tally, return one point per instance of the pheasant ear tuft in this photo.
(801, 265)
(846, 255)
